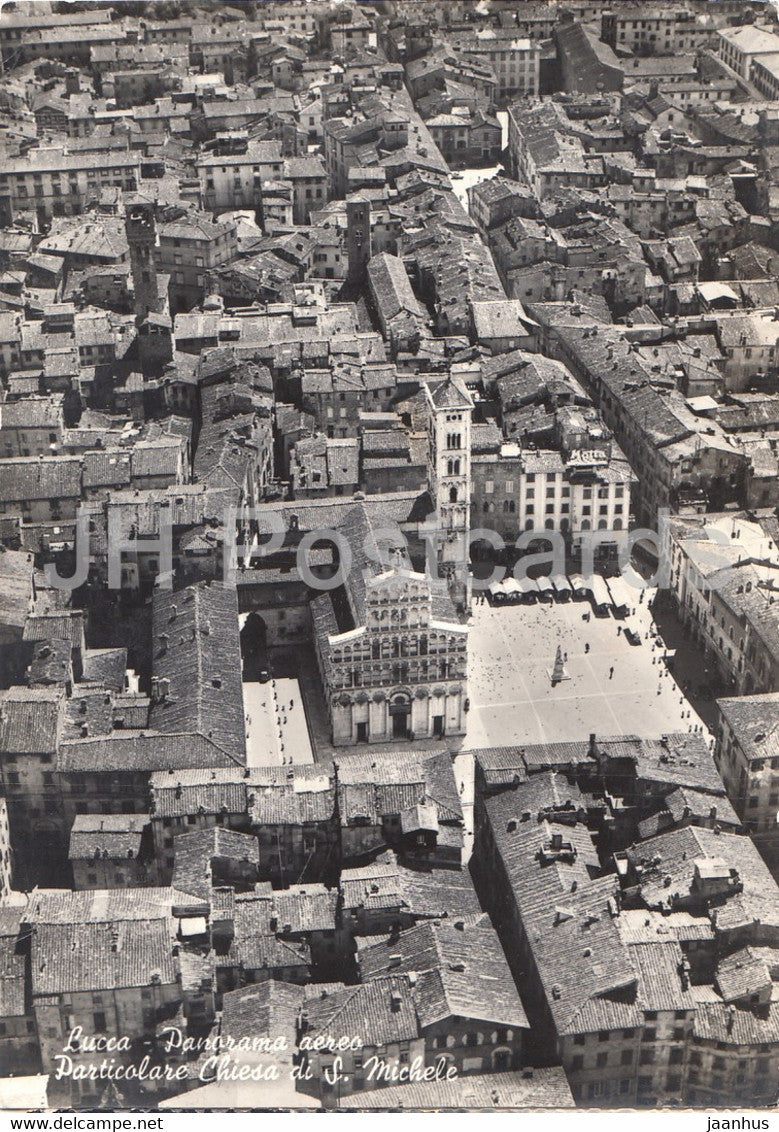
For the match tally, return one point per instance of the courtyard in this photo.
(276, 729)
(277, 732)
(612, 687)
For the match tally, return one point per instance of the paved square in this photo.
(276, 730)
(511, 653)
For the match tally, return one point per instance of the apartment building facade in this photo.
(51, 182)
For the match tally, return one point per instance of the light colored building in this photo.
(308, 178)
(543, 490)
(764, 74)
(234, 181)
(750, 343)
(724, 577)
(190, 247)
(516, 61)
(52, 182)
(739, 47)
(747, 757)
(289, 17)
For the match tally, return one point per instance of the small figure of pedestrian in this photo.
(611, 672)
(586, 646)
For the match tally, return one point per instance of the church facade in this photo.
(390, 642)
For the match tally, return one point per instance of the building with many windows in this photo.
(189, 248)
(648, 29)
(50, 182)
(515, 60)
(516, 490)
(747, 757)
(740, 47)
(234, 181)
(724, 579)
(647, 975)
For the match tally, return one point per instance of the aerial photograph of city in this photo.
(389, 558)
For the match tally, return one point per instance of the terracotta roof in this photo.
(461, 971)
(382, 1012)
(137, 751)
(70, 958)
(753, 721)
(94, 836)
(742, 974)
(29, 720)
(516, 1089)
(196, 650)
(425, 894)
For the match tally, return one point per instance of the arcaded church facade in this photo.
(391, 648)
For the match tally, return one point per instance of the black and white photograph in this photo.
(389, 560)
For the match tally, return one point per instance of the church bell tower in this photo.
(450, 409)
(152, 314)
